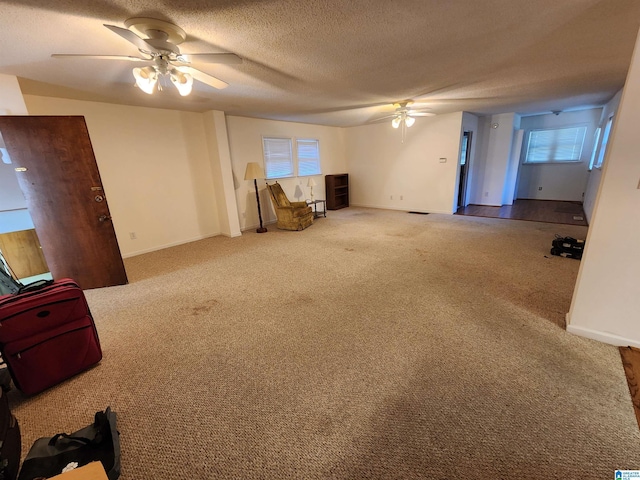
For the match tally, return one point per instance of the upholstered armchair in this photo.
(291, 215)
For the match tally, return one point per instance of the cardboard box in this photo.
(91, 471)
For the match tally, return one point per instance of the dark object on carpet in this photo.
(420, 213)
(568, 247)
(100, 441)
(10, 442)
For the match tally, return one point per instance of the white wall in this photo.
(155, 168)
(490, 171)
(11, 100)
(245, 142)
(511, 182)
(220, 158)
(386, 173)
(595, 175)
(563, 181)
(606, 300)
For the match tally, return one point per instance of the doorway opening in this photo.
(21, 256)
(465, 151)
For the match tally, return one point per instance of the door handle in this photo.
(102, 218)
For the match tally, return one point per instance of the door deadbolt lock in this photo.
(103, 218)
(99, 198)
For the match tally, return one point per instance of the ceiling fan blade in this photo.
(382, 119)
(204, 78)
(131, 37)
(101, 57)
(421, 114)
(225, 58)
(387, 116)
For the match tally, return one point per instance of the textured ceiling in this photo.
(338, 62)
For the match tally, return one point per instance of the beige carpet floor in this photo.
(373, 345)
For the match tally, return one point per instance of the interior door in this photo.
(59, 177)
(22, 251)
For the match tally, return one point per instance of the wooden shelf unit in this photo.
(337, 191)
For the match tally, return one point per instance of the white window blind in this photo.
(308, 157)
(555, 145)
(278, 159)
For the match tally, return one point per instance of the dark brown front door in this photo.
(59, 177)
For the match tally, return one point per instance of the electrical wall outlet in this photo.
(132, 235)
(390, 197)
(401, 197)
(443, 160)
(486, 194)
(539, 188)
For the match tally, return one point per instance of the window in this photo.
(596, 139)
(605, 142)
(4, 155)
(555, 145)
(308, 157)
(278, 159)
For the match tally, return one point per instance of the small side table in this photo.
(315, 203)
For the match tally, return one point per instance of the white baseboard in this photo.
(604, 337)
(169, 245)
(232, 235)
(401, 209)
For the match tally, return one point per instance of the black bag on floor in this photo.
(10, 443)
(7, 284)
(100, 441)
(568, 247)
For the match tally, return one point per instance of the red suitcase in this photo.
(47, 335)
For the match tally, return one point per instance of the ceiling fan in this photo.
(160, 50)
(404, 115)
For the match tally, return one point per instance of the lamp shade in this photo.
(311, 182)
(182, 81)
(253, 171)
(409, 121)
(146, 78)
(395, 123)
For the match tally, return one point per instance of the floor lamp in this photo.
(253, 172)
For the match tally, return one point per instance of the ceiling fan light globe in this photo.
(409, 121)
(146, 79)
(395, 123)
(182, 81)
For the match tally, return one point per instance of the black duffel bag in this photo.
(568, 247)
(10, 446)
(50, 456)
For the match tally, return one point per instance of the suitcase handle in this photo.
(57, 436)
(32, 287)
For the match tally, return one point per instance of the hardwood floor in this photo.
(549, 211)
(631, 362)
